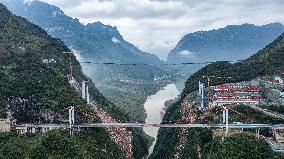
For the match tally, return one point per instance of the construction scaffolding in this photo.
(229, 94)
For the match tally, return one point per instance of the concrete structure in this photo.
(87, 94)
(278, 135)
(85, 91)
(226, 120)
(126, 125)
(202, 95)
(31, 128)
(234, 94)
(199, 88)
(5, 125)
(71, 118)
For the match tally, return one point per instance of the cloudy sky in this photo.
(156, 26)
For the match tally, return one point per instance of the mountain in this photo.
(101, 42)
(127, 86)
(36, 86)
(191, 143)
(34, 70)
(234, 42)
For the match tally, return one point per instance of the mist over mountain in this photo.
(36, 87)
(97, 44)
(34, 73)
(234, 42)
(102, 42)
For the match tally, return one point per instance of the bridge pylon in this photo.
(226, 120)
(71, 119)
(202, 95)
(85, 91)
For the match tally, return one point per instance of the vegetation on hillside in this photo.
(274, 108)
(28, 84)
(252, 116)
(35, 90)
(268, 61)
(166, 141)
(239, 146)
(127, 86)
(59, 144)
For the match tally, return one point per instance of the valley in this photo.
(70, 89)
(155, 108)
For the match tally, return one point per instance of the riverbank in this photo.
(154, 109)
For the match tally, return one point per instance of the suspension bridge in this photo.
(140, 125)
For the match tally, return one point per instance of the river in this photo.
(154, 106)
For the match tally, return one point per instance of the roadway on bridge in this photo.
(126, 125)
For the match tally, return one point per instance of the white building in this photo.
(279, 79)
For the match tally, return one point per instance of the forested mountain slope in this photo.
(127, 86)
(34, 70)
(35, 87)
(268, 61)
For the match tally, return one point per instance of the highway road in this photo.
(269, 113)
(126, 125)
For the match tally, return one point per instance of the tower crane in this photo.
(210, 77)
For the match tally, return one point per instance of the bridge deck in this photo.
(126, 125)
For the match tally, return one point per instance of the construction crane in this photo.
(210, 77)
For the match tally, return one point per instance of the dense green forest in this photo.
(127, 86)
(238, 146)
(268, 61)
(32, 88)
(25, 77)
(59, 144)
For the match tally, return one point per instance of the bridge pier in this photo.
(257, 133)
(227, 122)
(85, 91)
(202, 94)
(71, 119)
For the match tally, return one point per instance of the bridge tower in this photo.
(87, 94)
(202, 94)
(71, 118)
(226, 120)
(85, 91)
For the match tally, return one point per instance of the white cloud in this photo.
(157, 25)
(185, 53)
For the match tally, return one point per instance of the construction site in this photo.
(260, 95)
